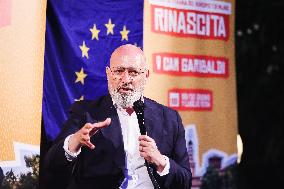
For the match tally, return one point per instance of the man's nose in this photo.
(126, 77)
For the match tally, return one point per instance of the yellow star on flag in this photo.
(81, 98)
(80, 76)
(95, 32)
(84, 50)
(109, 27)
(124, 34)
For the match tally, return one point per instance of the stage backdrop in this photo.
(190, 48)
(22, 28)
(190, 51)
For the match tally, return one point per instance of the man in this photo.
(101, 145)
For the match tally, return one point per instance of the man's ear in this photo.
(147, 73)
(108, 72)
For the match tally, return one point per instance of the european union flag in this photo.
(80, 37)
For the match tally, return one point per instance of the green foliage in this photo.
(28, 180)
(211, 179)
(10, 180)
(33, 162)
(230, 177)
(220, 179)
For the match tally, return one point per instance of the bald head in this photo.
(128, 56)
(127, 75)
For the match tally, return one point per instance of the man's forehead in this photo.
(132, 58)
(136, 60)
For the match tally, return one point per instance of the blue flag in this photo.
(80, 37)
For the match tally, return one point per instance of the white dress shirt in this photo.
(136, 175)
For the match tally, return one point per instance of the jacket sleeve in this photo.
(179, 176)
(55, 161)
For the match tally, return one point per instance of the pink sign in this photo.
(190, 99)
(5, 12)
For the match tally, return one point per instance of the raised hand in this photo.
(83, 136)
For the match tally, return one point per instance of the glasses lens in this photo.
(133, 72)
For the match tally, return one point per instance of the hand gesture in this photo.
(83, 136)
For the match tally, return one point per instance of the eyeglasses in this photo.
(132, 72)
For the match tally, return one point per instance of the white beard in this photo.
(126, 100)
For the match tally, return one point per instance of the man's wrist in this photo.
(164, 169)
(161, 164)
(69, 154)
(73, 145)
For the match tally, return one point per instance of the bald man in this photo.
(102, 145)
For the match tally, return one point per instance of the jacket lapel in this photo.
(153, 122)
(113, 132)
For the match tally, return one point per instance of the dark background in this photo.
(260, 90)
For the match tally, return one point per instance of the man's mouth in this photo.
(125, 89)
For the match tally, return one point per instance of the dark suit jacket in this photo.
(103, 167)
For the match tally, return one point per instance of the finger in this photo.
(141, 148)
(87, 128)
(144, 155)
(103, 124)
(85, 138)
(147, 149)
(89, 144)
(148, 144)
(144, 143)
(100, 125)
(146, 138)
(86, 131)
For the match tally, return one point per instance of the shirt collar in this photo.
(119, 107)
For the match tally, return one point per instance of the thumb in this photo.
(100, 125)
(103, 124)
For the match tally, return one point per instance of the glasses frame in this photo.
(132, 72)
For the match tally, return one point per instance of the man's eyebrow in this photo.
(128, 67)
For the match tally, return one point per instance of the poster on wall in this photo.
(22, 29)
(192, 65)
